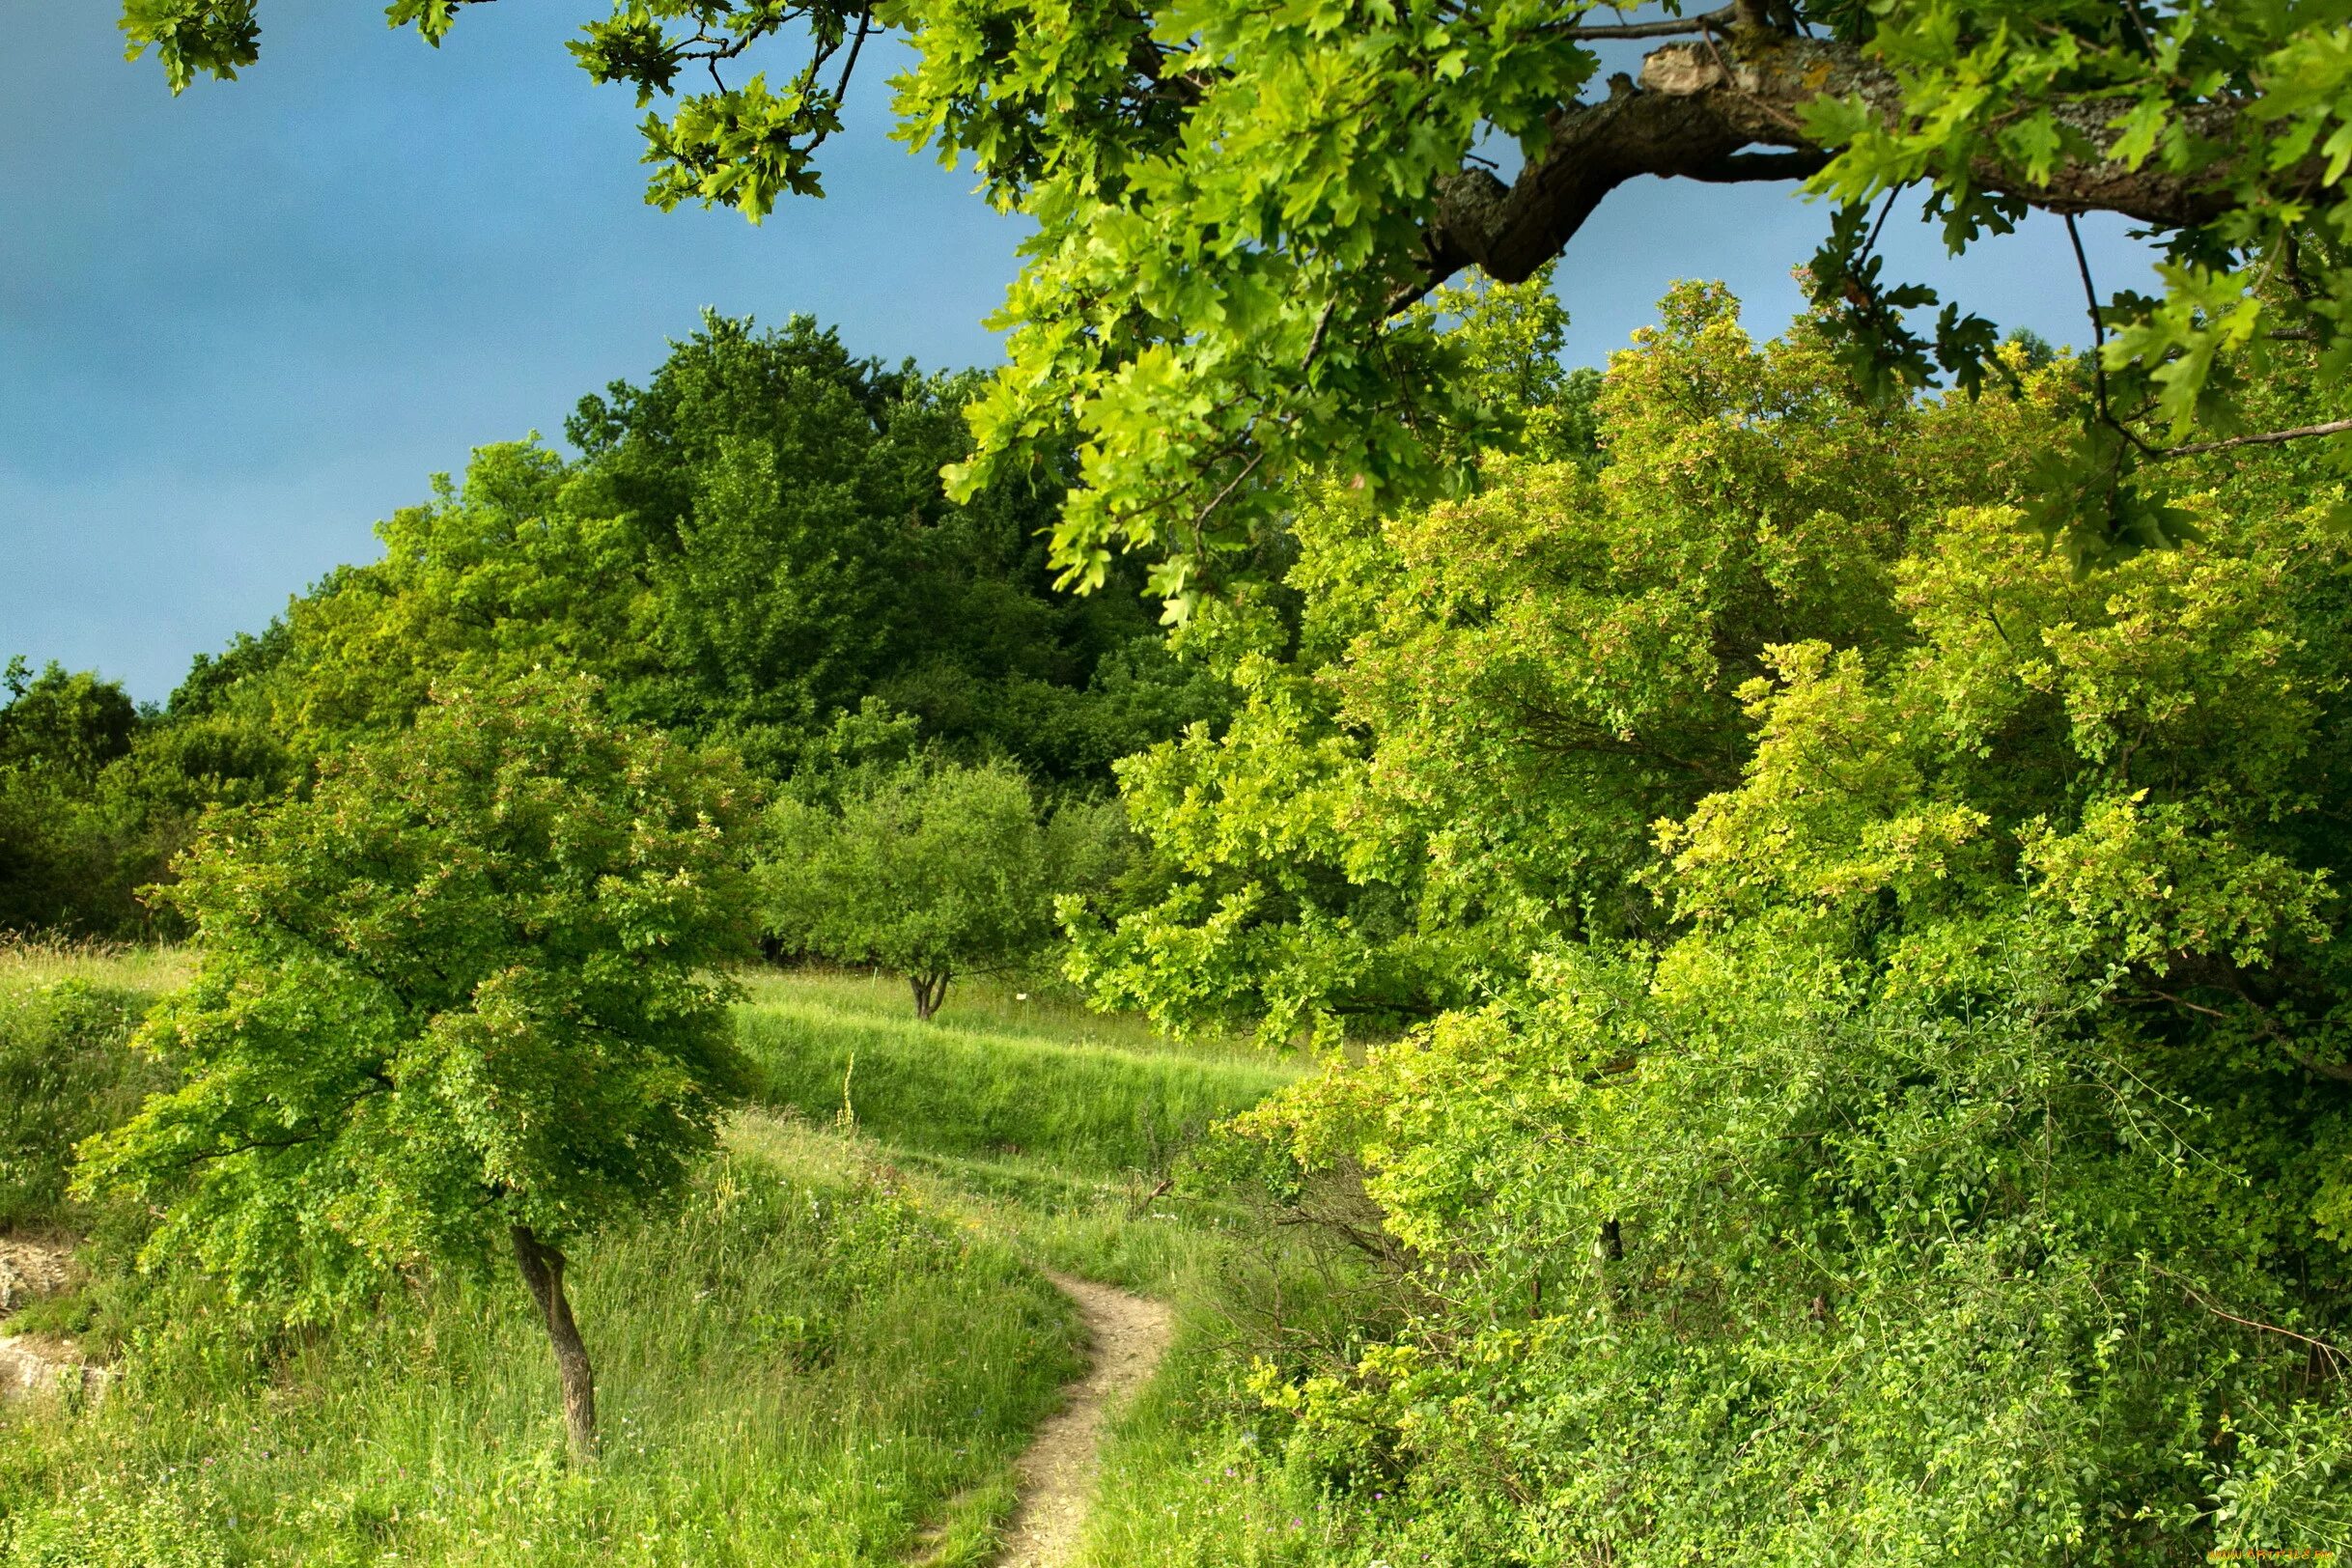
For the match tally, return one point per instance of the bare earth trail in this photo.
(37, 1363)
(1129, 1333)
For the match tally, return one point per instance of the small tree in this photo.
(451, 1000)
(931, 869)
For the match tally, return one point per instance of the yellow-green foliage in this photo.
(1924, 1141)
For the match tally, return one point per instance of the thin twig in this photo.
(1323, 324)
(2331, 1352)
(1232, 485)
(1671, 27)
(2098, 337)
(865, 23)
(2268, 438)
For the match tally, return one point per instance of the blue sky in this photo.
(238, 326)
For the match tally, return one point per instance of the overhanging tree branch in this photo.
(1702, 111)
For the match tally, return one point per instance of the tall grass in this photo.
(796, 1368)
(978, 1083)
(36, 959)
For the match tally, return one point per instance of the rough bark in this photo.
(930, 991)
(543, 1272)
(1695, 113)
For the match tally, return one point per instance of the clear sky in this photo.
(238, 326)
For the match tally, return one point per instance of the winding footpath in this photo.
(1129, 1333)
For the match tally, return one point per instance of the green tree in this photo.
(1452, 752)
(1885, 991)
(458, 997)
(69, 724)
(1237, 204)
(802, 554)
(68, 856)
(752, 544)
(96, 796)
(931, 868)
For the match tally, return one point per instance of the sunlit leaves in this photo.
(216, 37)
(1231, 200)
(462, 985)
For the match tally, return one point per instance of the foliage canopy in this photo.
(1873, 1081)
(751, 544)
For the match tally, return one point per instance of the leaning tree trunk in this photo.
(543, 1271)
(930, 991)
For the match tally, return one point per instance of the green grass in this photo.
(37, 960)
(830, 1354)
(65, 1072)
(1187, 1474)
(1040, 1010)
(803, 1364)
(994, 1076)
(800, 1368)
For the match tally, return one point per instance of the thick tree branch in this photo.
(1697, 112)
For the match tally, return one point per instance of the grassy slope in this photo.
(802, 1367)
(834, 1345)
(1021, 1120)
(993, 1076)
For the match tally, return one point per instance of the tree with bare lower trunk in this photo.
(932, 869)
(454, 1003)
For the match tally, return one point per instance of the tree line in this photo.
(752, 552)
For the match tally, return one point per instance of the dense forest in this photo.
(1738, 958)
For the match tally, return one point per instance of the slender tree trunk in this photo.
(543, 1271)
(930, 991)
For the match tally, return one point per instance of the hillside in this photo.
(822, 1358)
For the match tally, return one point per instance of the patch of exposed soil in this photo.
(30, 1269)
(39, 1363)
(1130, 1333)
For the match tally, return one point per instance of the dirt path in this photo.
(1130, 1333)
(37, 1363)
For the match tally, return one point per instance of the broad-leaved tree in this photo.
(455, 999)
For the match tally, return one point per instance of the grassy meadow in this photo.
(829, 1353)
(1040, 1123)
(995, 1074)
